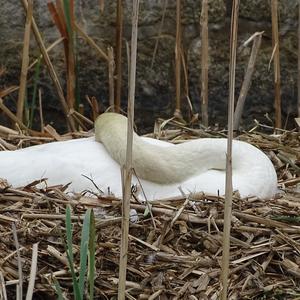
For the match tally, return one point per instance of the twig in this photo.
(164, 9)
(52, 46)
(6, 110)
(177, 112)
(91, 42)
(128, 164)
(20, 273)
(247, 80)
(204, 62)
(111, 69)
(186, 84)
(275, 43)
(25, 62)
(3, 293)
(41, 110)
(119, 36)
(32, 272)
(228, 184)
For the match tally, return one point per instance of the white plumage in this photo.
(195, 166)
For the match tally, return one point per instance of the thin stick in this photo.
(204, 62)
(3, 292)
(20, 272)
(275, 44)
(33, 271)
(128, 164)
(25, 62)
(228, 187)
(91, 42)
(7, 111)
(247, 80)
(177, 112)
(164, 9)
(41, 110)
(119, 36)
(51, 70)
(298, 58)
(52, 46)
(70, 59)
(111, 69)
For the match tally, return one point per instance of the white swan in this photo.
(195, 166)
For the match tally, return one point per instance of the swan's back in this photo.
(162, 168)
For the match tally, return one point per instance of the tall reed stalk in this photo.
(25, 62)
(204, 62)
(228, 184)
(119, 36)
(68, 15)
(128, 164)
(275, 43)
(177, 112)
(247, 79)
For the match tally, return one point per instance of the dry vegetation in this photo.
(175, 245)
(177, 252)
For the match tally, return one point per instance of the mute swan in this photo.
(197, 165)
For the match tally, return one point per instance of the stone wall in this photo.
(155, 90)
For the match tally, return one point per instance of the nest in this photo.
(174, 252)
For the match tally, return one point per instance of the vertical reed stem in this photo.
(41, 111)
(177, 112)
(275, 43)
(228, 187)
(247, 81)
(119, 36)
(111, 68)
(128, 164)
(204, 62)
(25, 62)
(70, 59)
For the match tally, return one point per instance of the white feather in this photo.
(195, 166)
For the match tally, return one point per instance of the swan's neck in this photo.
(156, 163)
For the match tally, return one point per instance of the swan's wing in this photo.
(62, 163)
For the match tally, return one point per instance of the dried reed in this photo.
(204, 62)
(178, 45)
(91, 42)
(275, 44)
(111, 70)
(119, 37)
(128, 164)
(63, 17)
(164, 9)
(25, 62)
(228, 184)
(256, 37)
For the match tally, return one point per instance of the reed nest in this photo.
(174, 252)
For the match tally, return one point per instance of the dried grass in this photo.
(180, 257)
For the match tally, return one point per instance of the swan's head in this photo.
(108, 124)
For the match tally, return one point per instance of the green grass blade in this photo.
(85, 235)
(67, 11)
(92, 262)
(70, 255)
(58, 289)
